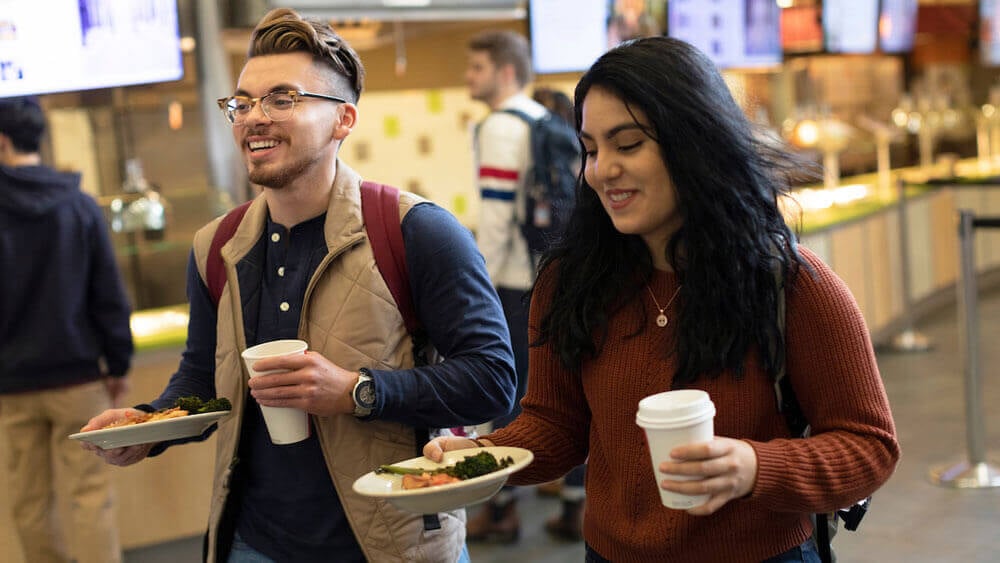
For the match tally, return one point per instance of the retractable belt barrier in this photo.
(977, 471)
(908, 340)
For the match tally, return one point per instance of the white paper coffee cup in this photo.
(671, 419)
(285, 425)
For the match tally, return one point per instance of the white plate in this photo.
(145, 432)
(442, 498)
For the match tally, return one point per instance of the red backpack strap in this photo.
(380, 210)
(215, 270)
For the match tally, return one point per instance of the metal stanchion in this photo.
(977, 471)
(909, 340)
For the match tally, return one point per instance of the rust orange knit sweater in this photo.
(568, 416)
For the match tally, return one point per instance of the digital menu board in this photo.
(989, 32)
(733, 33)
(68, 45)
(897, 25)
(567, 35)
(850, 26)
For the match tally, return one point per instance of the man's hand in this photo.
(309, 382)
(116, 456)
(726, 469)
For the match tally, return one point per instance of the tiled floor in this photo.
(911, 519)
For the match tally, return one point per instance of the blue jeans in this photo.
(241, 552)
(805, 553)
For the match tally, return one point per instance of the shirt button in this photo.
(275, 237)
(284, 306)
(281, 271)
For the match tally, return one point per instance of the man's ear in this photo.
(348, 119)
(509, 74)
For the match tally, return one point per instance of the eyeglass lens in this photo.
(277, 106)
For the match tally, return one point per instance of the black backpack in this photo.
(825, 525)
(550, 188)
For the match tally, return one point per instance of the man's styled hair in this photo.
(23, 122)
(506, 47)
(284, 31)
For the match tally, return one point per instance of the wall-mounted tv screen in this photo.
(801, 29)
(850, 26)
(632, 19)
(567, 35)
(733, 33)
(989, 32)
(897, 25)
(68, 45)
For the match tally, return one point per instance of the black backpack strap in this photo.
(788, 404)
(822, 534)
(520, 114)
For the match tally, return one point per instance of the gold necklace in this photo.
(661, 319)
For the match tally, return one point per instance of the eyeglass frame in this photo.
(294, 94)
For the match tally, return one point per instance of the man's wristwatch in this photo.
(364, 394)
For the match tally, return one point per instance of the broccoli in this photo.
(194, 405)
(219, 404)
(472, 466)
(189, 404)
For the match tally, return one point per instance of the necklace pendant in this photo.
(661, 320)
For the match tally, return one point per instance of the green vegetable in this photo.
(472, 466)
(194, 405)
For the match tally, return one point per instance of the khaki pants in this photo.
(36, 426)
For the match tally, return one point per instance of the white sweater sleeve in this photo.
(503, 158)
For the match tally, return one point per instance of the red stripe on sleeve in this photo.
(499, 173)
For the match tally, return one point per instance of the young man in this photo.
(498, 71)
(63, 314)
(300, 265)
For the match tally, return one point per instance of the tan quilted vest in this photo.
(350, 317)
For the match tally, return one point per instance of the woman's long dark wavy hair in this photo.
(733, 237)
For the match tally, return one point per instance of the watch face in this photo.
(365, 394)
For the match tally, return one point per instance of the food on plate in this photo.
(183, 406)
(132, 418)
(427, 480)
(472, 466)
(195, 405)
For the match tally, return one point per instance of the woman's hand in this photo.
(726, 469)
(434, 450)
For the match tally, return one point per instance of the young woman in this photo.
(667, 278)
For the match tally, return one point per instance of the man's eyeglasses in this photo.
(277, 106)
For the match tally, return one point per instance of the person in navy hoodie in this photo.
(65, 344)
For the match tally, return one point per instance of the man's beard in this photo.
(274, 181)
(277, 179)
(484, 94)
